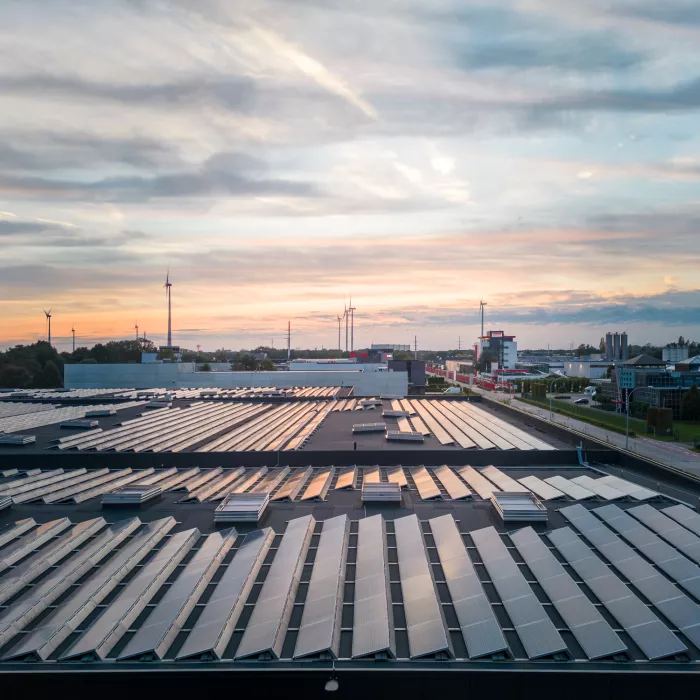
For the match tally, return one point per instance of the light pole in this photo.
(627, 421)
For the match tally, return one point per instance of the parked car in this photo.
(581, 401)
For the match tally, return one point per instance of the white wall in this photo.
(336, 367)
(180, 376)
(588, 370)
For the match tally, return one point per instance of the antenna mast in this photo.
(168, 285)
(72, 330)
(289, 341)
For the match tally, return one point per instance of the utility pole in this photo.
(415, 347)
(72, 330)
(289, 341)
(347, 318)
(459, 343)
(352, 325)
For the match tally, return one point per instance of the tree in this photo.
(267, 365)
(484, 361)
(14, 377)
(602, 347)
(206, 367)
(49, 377)
(691, 404)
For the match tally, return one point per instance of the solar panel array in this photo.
(187, 592)
(208, 427)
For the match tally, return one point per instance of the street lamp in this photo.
(627, 421)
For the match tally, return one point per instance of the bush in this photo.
(691, 404)
(661, 419)
(14, 377)
(206, 367)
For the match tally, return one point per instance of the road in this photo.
(672, 454)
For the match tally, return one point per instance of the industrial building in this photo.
(503, 348)
(616, 347)
(276, 542)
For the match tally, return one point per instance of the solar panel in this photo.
(671, 601)
(648, 632)
(213, 629)
(480, 629)
(347, 479)
(425, 622)
(459, 420)
(453, 426)
(373, 631)
(319, 485)
(395, 475)
(319, 632)
(268, 623)
(602, 490)
(216, 488)
(70, 491)
(158, 477)
(43, 640)
(176, 481)
(571, 489)
(427, 488)
(49, 478)
(503, 481)
(26, 545)
(111, 625)
(36, 565)
(685, 516)
(452, 484)
(544, 490)
(294, 484)
(668, 529)
(371, 475)
(531, 622)
(110, 486)
(9, 487)
(481, 485)
(635, 491)
(270, 481)
(668, 559)
(249, 479)
(201, 479)
(11, 531)
(500, 440)
(38, 493)
(593, 633)
(432, 424)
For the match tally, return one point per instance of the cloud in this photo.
(221, 175)
(583, 53)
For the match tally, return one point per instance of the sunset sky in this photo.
(280, 155)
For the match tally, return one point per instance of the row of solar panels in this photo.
(37, 419)
(374, 607)
(59, 394)
(461, 423)
(240, 393)
(456, 483)
(222, 427)
(283, 483)
(11, 408)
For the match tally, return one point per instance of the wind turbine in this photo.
(352, 310)
(167, 286)
(482, 304)
(340, 319)
(347, 318)
(48, 320)
(72, 330)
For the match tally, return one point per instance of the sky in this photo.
(281, 155)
